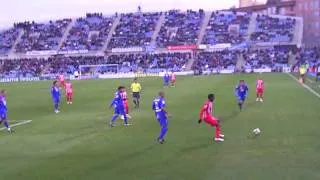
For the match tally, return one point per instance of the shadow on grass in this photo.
(235, 113)
(197, 147)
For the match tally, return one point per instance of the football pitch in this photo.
(78, 144)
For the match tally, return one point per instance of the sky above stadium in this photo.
(44, 10)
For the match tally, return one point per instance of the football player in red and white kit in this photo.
(69, 92)
(260, 89)
(173, 79)
(206, 115)
(125, 102)
(61, 81)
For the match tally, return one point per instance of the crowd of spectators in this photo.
(273, 29)
(21, 67)
(89, 33)
(7, 39)
(263, 58)
(227, 27)
(180, 28)
(134, 29)
(41, 36)
(30, 67)
(151, 62)
(215, 60)
(309, 56)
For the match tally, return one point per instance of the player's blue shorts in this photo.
(56, 100)
(119, 110)
(162, 119)
(241, 98)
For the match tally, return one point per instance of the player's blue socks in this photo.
(163, 132)
(125, 118)
(6, 124)
(114, 118)
(56, 107)
(240, 106)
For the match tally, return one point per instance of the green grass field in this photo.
(78, 144)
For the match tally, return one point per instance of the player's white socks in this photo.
(218, 139)
(221, 136)
(257, 99)
(128, 116)
(261, 100)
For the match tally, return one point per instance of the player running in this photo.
(117, 104)
(260, 89)
(4, 110)
(166, 79)
(61, 80)
(159, 108)
(241, 92)
(173, 79)
(136, 88)
(55, 94)
(206, 115)
(125, 103)
(69, 92)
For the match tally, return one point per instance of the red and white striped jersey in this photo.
(260, 84)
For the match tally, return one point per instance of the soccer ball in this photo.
(256, 131)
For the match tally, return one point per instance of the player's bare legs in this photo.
(261, 97)
(215, 123)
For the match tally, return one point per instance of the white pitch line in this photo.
(17, 124)
(305, 86)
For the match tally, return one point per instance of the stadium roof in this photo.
(270, 3)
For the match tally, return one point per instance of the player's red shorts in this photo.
(126, 104)
(69, 94)
(260, 90)
(211, 120)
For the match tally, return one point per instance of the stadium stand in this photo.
(273, 29)
(41, 36)
(219, 29)
(310, 56)
(31, 67)
(7, 39)
(271, 58)
(208, 60)
(135, 29)
(88, 33)
(151, 62)
(180, 28)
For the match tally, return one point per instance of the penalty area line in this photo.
(305, 86)
(17, 124)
